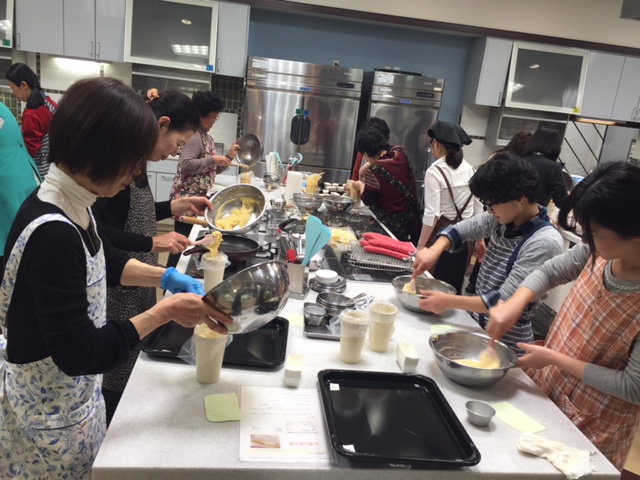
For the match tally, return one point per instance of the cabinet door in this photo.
(487, 74)
(233, 37)
(164, 182)
(110, 23)
(80, 31)
(39, 26)
(626, 104)
(603, 76)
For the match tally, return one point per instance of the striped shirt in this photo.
(495, 282)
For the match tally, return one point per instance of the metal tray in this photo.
(392, 419)
(265, 347)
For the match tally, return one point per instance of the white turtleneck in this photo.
(61, 190)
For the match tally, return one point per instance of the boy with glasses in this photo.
(522, 239)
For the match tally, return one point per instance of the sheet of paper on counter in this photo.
(281, 424)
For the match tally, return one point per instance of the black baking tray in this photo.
(265, 347)
(393, 419)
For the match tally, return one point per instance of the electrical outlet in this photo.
(336, 63)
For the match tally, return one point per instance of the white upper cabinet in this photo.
(6, 23)
(487, 74)
(628, 94)
(233, 39)
(603, 77)
(94, 29)
(39, 26)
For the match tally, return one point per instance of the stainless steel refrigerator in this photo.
(297, 107)
(409, 103)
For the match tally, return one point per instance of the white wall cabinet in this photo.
(94, 29)
(39, 26)
(160, 176)
(233, 39)
(487, 73)
(603, 77)
(628, 94)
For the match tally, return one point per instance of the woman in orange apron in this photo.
(589, 363)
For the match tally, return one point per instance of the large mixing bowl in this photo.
(410, 301)
(252, 297)
(338, 203)
(230, 198)
(461, 345)
(307, 202)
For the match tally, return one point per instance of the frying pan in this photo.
(236, 247)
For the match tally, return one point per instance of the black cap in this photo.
(449, 134)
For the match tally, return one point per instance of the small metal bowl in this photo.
(250, 151)
(278, 203)
(338, 204)
(460, 344)
(411, 301)
(271, 181)
(252, 297)
(479, 413)
(334, 303)
(314, 314)
(307, 202)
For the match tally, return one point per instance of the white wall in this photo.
(587, 20)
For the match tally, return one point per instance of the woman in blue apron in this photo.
(52, 295)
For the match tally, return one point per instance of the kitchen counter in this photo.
(160, 432)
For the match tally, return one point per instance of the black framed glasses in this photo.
(488, 205)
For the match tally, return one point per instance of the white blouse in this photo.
(436, 194)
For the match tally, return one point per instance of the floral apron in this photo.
(599, 327)
(51, 424)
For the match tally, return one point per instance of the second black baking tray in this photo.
(393, 419)
(265, 347)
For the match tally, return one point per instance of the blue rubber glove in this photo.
(177, 282)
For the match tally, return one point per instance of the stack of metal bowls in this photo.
(307, 202)
(463, 345)
(334, 303)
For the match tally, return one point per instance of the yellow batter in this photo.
(238, 217)
(215, 244)
(484, 361)
(410, 287)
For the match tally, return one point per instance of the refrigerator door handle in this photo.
(300, 129)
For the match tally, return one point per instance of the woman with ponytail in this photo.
(448, 198)
(36, 116)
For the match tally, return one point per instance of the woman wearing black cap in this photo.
(447, 197)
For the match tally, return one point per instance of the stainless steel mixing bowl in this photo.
(307, 202)
(458, 345)
(252, 297)
(410, 300)
(231, 197)
(250, 151)
(334, 303)
(338, 203)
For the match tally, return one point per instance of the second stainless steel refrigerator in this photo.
(305, 108)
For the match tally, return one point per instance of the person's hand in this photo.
(434, 301)
(425, 260)
(536, 356)
(189, 310)
(171, 242)
(233, 151)
(221, 160)
(480, 250)
(357, 184)
(502, 318)
(177, 282)
(195, 205)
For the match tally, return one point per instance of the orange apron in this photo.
(599, 327)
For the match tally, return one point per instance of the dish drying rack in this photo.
(373, 261)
